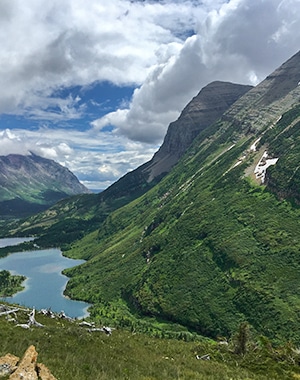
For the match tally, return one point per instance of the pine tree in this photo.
(242, 338)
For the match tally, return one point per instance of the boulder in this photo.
(26, 369)
(8, 364)
(44, 372)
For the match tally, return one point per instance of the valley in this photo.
(199, 245)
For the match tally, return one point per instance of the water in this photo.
(6, 242)
(45, 283)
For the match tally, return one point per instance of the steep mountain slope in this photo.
(203, 110)
(31, 183)
(211, 245)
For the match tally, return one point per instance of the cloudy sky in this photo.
(94, 84)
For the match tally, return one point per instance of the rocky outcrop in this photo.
(265, 103)
(26, 369)
(8, 364)
(44, 372)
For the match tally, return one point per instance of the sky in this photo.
(94, 84)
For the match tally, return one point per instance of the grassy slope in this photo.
(207, 249)
(72, 353)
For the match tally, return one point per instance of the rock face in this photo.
(262, 105)
(203, 110)
(32, 183)
(26, 369)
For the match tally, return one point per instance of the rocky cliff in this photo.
(203, 110)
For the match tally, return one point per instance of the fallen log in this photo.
(32, 320)
(9, 312)
(105, 329)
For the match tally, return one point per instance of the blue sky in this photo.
(95, 87)
(91, 102)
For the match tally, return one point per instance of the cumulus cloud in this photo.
(47, 45)
(240, 41)
(167, 50)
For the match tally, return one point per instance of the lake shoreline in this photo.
(45, 283)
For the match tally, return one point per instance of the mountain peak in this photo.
(201, 112)
(34, 183)
(283, 80)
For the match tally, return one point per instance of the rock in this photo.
(44, 372)
(200, 113)
(27, 368)
(8, 364)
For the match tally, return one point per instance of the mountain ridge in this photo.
(32, 183)
(202, 111)
(208, 247)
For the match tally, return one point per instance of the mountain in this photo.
(216, 242)
(29, 184)
(203, 110)
(211, 245)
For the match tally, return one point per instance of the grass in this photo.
(71, 353)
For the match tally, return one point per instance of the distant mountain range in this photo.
(29, 184)
(206, 234)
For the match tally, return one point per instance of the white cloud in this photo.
(167, 49)
(46, 45)
(240, 41)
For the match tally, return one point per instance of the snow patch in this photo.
(253, 146)
(262, 166)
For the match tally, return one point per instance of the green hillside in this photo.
(71, 352)
(207, 248)
(217, 241)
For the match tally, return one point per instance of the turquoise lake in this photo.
(45, 283)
